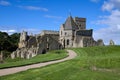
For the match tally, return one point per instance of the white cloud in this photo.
(12, 31)
(111, 21)
(33, 8)
(107, 34)
(111, 5)
(113, 29)
(56, 17)
(4, 3)
(118, 26)
(107, 6)
(9, 31)
(30, 31)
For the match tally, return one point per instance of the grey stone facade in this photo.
(30, 46)
(72, 33)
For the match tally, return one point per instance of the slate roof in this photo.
(70, 24)
(84, 32)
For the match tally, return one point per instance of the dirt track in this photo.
(8, 71)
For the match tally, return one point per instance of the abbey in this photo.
(72, 33)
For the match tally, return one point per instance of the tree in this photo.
(8, 43)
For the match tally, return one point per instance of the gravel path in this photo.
(8, 71)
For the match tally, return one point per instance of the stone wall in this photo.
(49, 42)
(37, 45)
(100, 42)
(81, 22)
(49, 32)
(83, 41)
(23, 39)
(84, 32)
(66, 39)
(72, 33)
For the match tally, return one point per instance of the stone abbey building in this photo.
(72, 33)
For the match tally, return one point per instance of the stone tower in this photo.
(81, 22)
(23, 40)
(73, 33)
(66, 32)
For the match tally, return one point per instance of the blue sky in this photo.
(35, 15)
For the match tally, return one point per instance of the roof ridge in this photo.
(70, 24)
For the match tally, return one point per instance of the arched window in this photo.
(68, 41)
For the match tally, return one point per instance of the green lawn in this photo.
(92, 63)
(52, 55)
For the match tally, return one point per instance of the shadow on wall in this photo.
(44, 51)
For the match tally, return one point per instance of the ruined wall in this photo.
(78, 41)
(50, 42)
(23, 40)
(49, 32)
(84, 32)
(100, 42)
(111, 42)
(83, 41)
(37, 45)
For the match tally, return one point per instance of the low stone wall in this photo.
(24, 53)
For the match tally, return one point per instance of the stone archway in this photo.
(43, 51)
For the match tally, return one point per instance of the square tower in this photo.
(81, 22)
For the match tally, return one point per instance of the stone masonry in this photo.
(72, 33)
(30, 46)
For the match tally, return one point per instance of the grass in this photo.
(106, 60)
(102, 57)
(52, 55)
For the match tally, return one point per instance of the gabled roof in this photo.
(70, 24)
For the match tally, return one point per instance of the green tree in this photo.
(8, 43)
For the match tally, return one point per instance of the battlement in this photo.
(49, 32)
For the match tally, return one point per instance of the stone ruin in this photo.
(100, 42)
(24, 53)
(30, 46)
(111, 42)
(72, 33)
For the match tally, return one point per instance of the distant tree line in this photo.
(8, 43)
